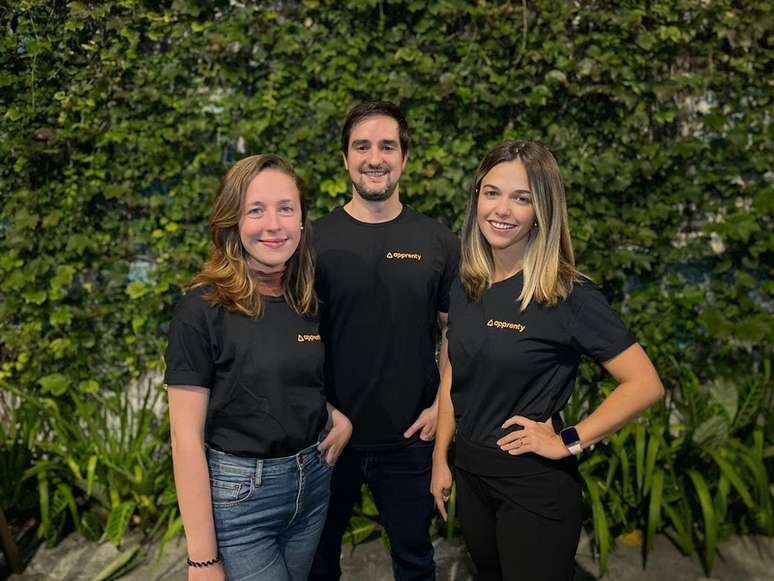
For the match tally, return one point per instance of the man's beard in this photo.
(376, 195)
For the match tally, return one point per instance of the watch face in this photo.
(569, 436)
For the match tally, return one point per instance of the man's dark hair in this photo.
(372, 109)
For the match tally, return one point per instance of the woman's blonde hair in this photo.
(549, 263)
(227, 273)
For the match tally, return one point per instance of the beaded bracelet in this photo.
(209, 563)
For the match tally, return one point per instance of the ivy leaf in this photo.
(60, 347)
(137, 289)
(334, 187)
(55, 384)
(37, 297)
(89, 386)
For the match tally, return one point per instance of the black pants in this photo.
(400, 482)
(521, 528)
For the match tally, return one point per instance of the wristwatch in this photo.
(571, 440)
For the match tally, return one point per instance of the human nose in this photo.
(374, 156)
(503, 207)
(272, 221)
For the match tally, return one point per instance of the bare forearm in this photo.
(443, 351)
(443, 355)
(638, 388)
(445, 431)
(446, 424)
(193, 495)
(626, 402)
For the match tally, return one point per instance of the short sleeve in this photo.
(450, 272)
(189, 358)
(596, 329)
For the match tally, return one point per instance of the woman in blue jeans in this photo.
(253, 440)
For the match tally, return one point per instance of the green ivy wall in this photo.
(118, 118)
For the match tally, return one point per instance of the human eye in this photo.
(255, 212)
(523, 199)
(287, 210)
(489, 193)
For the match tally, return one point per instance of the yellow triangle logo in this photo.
(300, 339)
(389, 255)
(490, 323)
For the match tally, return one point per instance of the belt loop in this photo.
(258, 472)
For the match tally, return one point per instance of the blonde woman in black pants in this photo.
(520, 317)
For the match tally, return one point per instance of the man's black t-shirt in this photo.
(265, 375)
(506, 362)
(381, 287)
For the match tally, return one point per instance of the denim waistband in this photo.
(224, 463)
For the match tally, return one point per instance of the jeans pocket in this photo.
(227, 491)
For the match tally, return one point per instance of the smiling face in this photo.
(374, 159)
(504, 209)
(270, 224)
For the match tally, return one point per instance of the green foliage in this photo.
(118, 521)
(120, 565)
(364, 523)
(696, 470)
(104, 465)
(118, 118)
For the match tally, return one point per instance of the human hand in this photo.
(337, 437)
(214, 572)
(536, 437)
(441, 485)
(426, 422)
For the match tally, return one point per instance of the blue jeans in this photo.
(399, 479)
(269, 513)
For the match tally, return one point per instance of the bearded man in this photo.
(383, 278)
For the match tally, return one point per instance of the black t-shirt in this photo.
(381, 288)
(265, 375)
(506, 362)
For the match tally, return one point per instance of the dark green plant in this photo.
(364, 523)
(105, 467)
(18, 430)
(696, 469)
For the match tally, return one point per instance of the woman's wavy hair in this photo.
(549, 264)
(226, 273)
